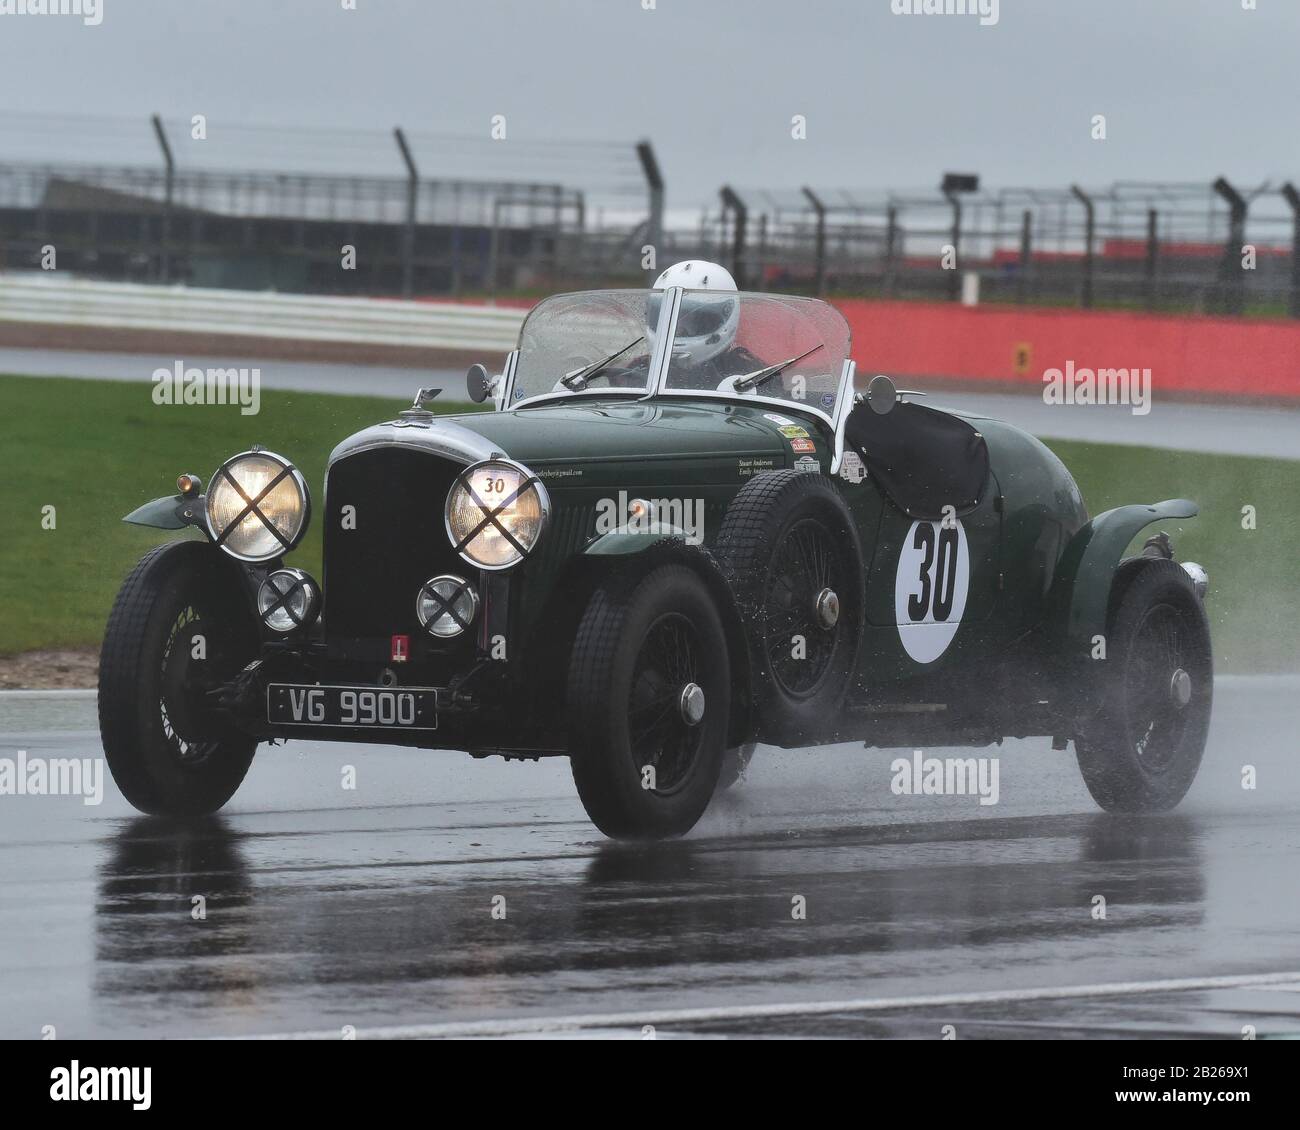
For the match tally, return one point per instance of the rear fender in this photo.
(1082, 583)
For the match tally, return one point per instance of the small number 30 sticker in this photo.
(930, 588)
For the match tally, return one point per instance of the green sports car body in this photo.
(649, 559)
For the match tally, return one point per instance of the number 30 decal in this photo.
(930, 588)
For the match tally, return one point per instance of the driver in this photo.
(704, 349)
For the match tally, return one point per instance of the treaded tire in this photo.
(614, 681)
(1138, 750)
(197, 766)
(768, 511)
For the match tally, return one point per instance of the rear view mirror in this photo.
(881, 395)
(477, 383)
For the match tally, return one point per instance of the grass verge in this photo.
(94, 450)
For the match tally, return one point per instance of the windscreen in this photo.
(564, 340)
(790, 349)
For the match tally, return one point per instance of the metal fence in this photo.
(1213, 247)
(264, 207)
(523, 215)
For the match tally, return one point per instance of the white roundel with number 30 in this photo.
(930, 589)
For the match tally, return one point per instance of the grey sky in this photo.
(1191, 88)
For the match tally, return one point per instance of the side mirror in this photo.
(881, 395)
(477, 383)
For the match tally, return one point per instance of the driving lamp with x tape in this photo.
(446, 605)
(287, 600)
(257, 506)
(496, 511)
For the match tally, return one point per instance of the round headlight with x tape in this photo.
(257, 506)
(496, 511)
(287, 600)
(446, 605)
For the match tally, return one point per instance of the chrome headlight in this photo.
(496, 511)
(258, 506)
(446, 606)
(288, 599)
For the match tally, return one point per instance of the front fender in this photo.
(625, 540)
(174, 513)
(1081, 585)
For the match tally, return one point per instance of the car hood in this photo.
(623, 429)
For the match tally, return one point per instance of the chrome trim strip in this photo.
(665, 333)
(587, 394)
(843, 407)
(738, 398)
(439, 437)
(507, 387)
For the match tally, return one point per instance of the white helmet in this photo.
(706, 323)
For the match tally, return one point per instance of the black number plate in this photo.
(384, 708)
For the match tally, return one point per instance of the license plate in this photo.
(385, 708)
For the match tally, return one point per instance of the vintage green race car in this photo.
(682, 532)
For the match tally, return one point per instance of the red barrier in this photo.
(1226, 356)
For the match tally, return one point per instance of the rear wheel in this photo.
(1142, 745)
(177, 631)
(649, 698)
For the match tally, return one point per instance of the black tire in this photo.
(169, 751)
(735, 764)
(1139, 748)
(786, 536)
(640, 641)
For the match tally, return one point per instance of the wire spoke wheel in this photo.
(789, 550)
(179, 631)
(660, 735)
(799, 646)
(1156, 721)
(188, 724)
(649, 701)
(1141, 740)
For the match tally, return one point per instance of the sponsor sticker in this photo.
(828, 400)
(807, 463)
(793, 431)
(748, 468)
(777, 419)
(852, 469)
(802, 445)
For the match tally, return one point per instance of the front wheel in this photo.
(1140, 749)
(178, 630)
(789, 550)
(649, 699)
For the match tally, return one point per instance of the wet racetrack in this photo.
(374, 907)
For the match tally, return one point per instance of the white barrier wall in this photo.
(36, 297)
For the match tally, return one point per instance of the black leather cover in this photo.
(924, 459)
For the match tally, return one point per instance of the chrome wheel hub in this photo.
(1180, 688)
(691, 704)
(827, 608)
